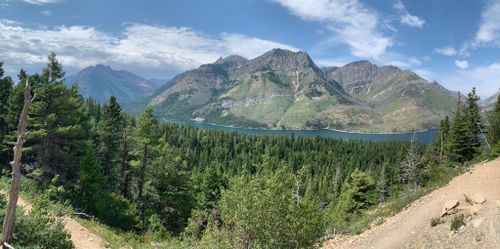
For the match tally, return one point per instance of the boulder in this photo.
(449, 207)
(475, 209)
(478, 222)
(477, 198)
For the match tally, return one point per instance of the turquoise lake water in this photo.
(421, 137)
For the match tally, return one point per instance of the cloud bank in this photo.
(138, 46)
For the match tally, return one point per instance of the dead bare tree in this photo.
(410, 166)
(10, 213)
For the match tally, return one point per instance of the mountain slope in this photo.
(100, 82)
(278, 89)
(489, 103)
(412, 228)
(284, 89)
(405, 100)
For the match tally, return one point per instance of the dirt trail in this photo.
(411, 228)
(82, 238)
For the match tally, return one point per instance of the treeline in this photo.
(216, 189)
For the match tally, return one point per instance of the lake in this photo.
(422, 136)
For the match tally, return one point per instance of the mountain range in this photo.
(489, 103)
(282, 89)
(285, 89)
(100, 82)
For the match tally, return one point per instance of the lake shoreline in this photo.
(425, 137)
(293, 130)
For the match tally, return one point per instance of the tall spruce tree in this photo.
(6, 87)
(125, 157)
(473, 116)
(146, 138)
(110, 132)
(56, 123)
(459, 139)
(444, 132)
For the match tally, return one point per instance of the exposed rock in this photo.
(473, 210)
(286, 89)
(449, 207)
(478, 222)
(478, 198)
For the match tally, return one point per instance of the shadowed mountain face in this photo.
(489, 103)
(284, 89)
(100, 82)
(405, 100)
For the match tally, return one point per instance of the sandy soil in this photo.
(411, 228)
(82, 238)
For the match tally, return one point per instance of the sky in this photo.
(454, 42)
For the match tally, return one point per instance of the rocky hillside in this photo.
(403, 98)
(100, 82)
(489, 103)
(284, 89)
(462, 214)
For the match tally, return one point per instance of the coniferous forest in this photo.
(185, 187)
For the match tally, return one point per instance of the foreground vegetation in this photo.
(147, 182)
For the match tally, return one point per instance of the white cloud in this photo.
(157, 50)
(41, 2)
(486, 79)
(462, 64)
(349, 20)
(332, 62)
(412, 21)
(46, 12)
(489, 29)
(406, 18)
(448, 51)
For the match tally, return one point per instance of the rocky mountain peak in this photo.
(232, 61)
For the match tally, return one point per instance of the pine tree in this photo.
(384, 184)
(494, 119)
(146, 136)
(110, 132)
(6, 87)
(56, 123)
(127, 144)
(91, 180)
(444, 131)
(458, 143)
(473, 116)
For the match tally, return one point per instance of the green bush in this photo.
(457, 222)
(39, 229)
(116, 211)
(436, 221)
(262, 212)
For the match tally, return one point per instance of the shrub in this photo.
(457, 222)
(39, 229)
(436, 221)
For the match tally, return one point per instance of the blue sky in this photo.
(455, 42)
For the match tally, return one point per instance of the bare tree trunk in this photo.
(10, 213)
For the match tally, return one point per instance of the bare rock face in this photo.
(286, 89)
(478, 222)
(478, 198)
(449, 207)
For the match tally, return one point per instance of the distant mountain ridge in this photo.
(100, 82)
(284, 89)
(489, 103)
